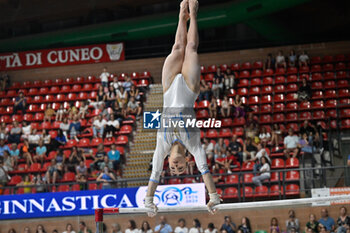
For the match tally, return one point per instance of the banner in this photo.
(327, 192)
(340, 192)
(85, 202)
(62, 56)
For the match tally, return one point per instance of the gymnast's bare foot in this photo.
(184, 13)
(193, 6)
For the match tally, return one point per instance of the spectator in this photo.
(111, 127)
(326, 221)
(204, 91)
(81, 169)
(304, 91)
(83, 228)
(257, 158)
(99, 157)
(276, 134)
(100, 98)
(251, 119)
(181, 226)
(213, 108)
(134, 107)
(229, 79)
(3, 173)
(3, 147)
(220, 161)
(236, 148)
(111, 96)
(114, 157)
(58, 173)
(217, 88)
(225, 107)
(72, 111)
(12, 230)
(26, 152)
(249, 150)
(348, 160)
(115, 83)
(8, 162)
(304, 59)
(50, 171)
(304, 144)
(3, 131)
(196, 228)
(61, 112)
(15, 133)
(47, 140)
(104, 112)
(145, 227)
(39, 183)
(20, 103)
(122, 97)
(83, 110)
(211, 228)
(264, 136)
(4, 82)
(292, 60)
(270, 62)
(106, 163)
(26, 230)
(134, 92)
(323, 229)
(64, 126)
(280, 60)
(33, 140)
(49, 113)
(74, 128)
(132, 228)
(60, 139)
(59, 157)
(26, 129)
(291, 144)
(245, 225)
(69, 229)
(307, 128)
(14, 154)
(228, 225)
(343, 221)
(104, 77)
(163, 227)
(220, 146)
(40, 152)
(116, 228)
(252, 132)
(75, 158)
(312, 224)
(292, 222)
(274, 225)
(218, 75)
(264, 172)
(208, 147)
(24, 184)
(238, 108)
(99, 126)
(127, 84)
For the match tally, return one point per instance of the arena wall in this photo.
(154, 65)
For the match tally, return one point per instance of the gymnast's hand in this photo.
(151, 207)
(215, 199)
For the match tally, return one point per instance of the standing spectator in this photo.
(264, 172)
(304, 91)
(20, 103)
(132, 228)
(15, 133)
(111, 96)
(99, 157)
(104, 77)
(74, 128)
(122, 97)
(291, 144)
(343, 221)
(245, 225)
(327, 221)
(270, 62)
(114, 157)
(14, 153)
(3, 131)
(280, 60)
(26, 129)
(204, 91)
(3, 147)
(236, 148)
(276, 134)
(49, 113)
(274, 225)
(292, 222)
(116, 228)
(127, 84)
(61, 112)
(83, 228)
(228, 225)
(225, 107)
(69, 228)
(211, 228)
(229, 79)
(292, 59)
(238, 108)
(181, 226)
(64, 126)
(112, 126)
(134, 107)
(213, 108)
(145, 227)
(40, 152)
(196, 228)
(99, 126)
(304, 59)
(163, 227)
(249, 150)
(217, 88)
(83, 110)
(312, 224)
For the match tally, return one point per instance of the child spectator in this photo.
(292, 222)
(213, 108)
(291, 144)
(274, 226)
(229, 79)
(304, 92)
(304, 144)
(49, 113)
(225, 107)
(61, 112)
(104, 77)
(304, 59)
(208, 147)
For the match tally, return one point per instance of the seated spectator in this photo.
(114, 157)
(98, 126)
(204, 91)
(181, 226)
(106, 163)
(190, 164)
(250, 119)
(40, 154)
(218, 74)
(40, 229)
(163, 227)
(14, 154)
(220, 146)
(60, 157)
(83, 110)
(111, 127)
(83, 228)
(107, 177)
(312, 224)
(115, 83)
(238, 108)
(245, 225)
(64, 126)
(304, 91)
(309, 129)
(3, 147)
(39, 183)
(33, 140)
(249, 150)
(343, 221)
(61, 113)
(145, 227)
(46, 137)
(280, 60)
(74, 128)
(26, 129)
(24, 183)
(3, 131)
(196, 227)
(219, 161)
(292, 59)
(348, 160)
(229, 79)
(4, 177)
(236, 148)
(134, 92)
(291, 144)
(225, 107)
(264, 172)
(7, 161)
(217, 88)
(326, 221)
(15, 133)
(118, 112)
(274, 226)
(72, 111)
(75, 158)
(276, 134)
(59, 140)
(49, 113)
(264, 136)
(69, 228)
(213, 108)
(122, 96)
(104, 77)
(20, 103)
(111, 96)
(252, 132)
(134, 108)
(116, 228)
(100, 98)
(228, 225)
(292, 222)
(304, 144)
(81, 169)
(50, 171)
(304, 59)
(99, 157)
(132, 228)
(208, 147)
(26, 152)
(127, 84)
(211, 228)
(270, 62)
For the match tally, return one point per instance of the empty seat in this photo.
(277, 164)
(292, 189)
(292, 176)
(292, 163)
(230, 192)
(261, 191)
(232, 179)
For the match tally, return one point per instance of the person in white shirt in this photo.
(104, 77)
(304, 59)
(181, 226)
(291, 144)
(264, 172)
(133, 107)
(257, 158)
(211, 228)
(280, 60)
(145, 227)
(112, 125)
(33, 138)
(98, 126)
(264, 136)
(64, 126)
(26, 129)
(69, 229)
(116, 228)
(132, 228)
(196, 227)
(225, 107)
(116, 84)
(208, 147)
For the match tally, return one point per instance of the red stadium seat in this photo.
(202, 114)
(38, 99)
(292, 189)
(280, 89)
(255, 82)
(291, 97)
(238, 121)
(244, 74)
(246, 66)
(122, 140)
(305, 116)
(328, 67)
(268, 72)
(68, 177)
(292, 176)
(266, 90)
(341, 75)
(63, 188)
(329, 75)
(304, 69)
(292, 163)
(258, 65)
(331, 103)
(277, 164)
(261, 191)
(275, 178)
(276, 190)
(278, 117)
(292, 87)
(212, 133)
(266, 99)
(280, 79)
(235, 67)
(292, 79)
(331, 113)
(59, 81)
(343, 92)
(109, 141)
(223, 67)
(330, 94)
(96, 141)
(253, 100)
(319, 115)
(340, 58)
(340, 66)
(5, 119)
(174, 181)
(305, 105)
(35, 167)
(317, 77)
(243, 82)
(71, 143)
(248, 192)
(39, 116)
(209, 77)
(226, 122)
(343, 84)
(291, 116)
(316, 68)
(60, 98)
(265, 119)
(232, 179)
(248, 178)
(256, 73)
(266, 108)
(330, 84)
(225, 132)
(267, 81)
(247, 166)
(345, 113)
(278, 98)
(211, 69)
(254, 91)
(230, 193)
(15, 180)
(203, 104)
(292, 70)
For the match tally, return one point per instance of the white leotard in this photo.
(178, 104)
